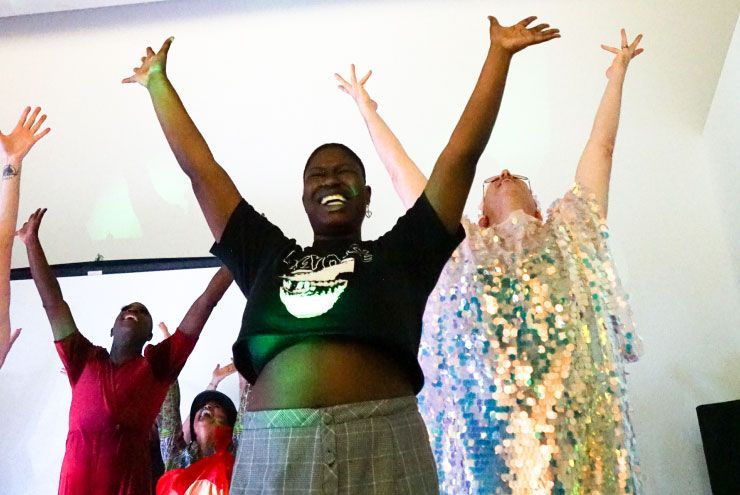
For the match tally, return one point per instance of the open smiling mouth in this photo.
(130, 316)
(334, 201)
(306, 293)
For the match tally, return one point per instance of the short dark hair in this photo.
(342, 147)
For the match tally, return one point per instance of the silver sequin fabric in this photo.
(525, 341)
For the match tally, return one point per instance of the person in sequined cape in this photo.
(528, 330)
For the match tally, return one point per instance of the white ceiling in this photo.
(11, 8)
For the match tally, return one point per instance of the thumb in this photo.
(166, 45)
(15, 335)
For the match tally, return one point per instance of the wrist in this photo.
(366, 108)
(498, 50)
(11, 168)
(33, 245)
(156, 76)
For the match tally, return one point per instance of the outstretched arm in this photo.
(57, 310)
(214, 189)
(13, 148)
(199, 312)
(407, 179)
(450, 181)
(595, 166)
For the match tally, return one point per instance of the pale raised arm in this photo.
(595, 166)
(13, 149)
(407, 179)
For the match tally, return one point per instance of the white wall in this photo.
(258, 81)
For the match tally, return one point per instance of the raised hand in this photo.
(6, 344)
(15, 146)
(623, 55)
(519, 36)
(29, 233)
(221, 372)
(165, 331)
(356, 89)
(152, 63)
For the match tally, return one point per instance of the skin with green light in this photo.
(324, 372)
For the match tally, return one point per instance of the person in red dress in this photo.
(116, 394)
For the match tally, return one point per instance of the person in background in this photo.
(199, 452)
(116, 394)
(13, 149)
(528, 330)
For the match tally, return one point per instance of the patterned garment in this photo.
(175, 452)
(525, 340)
(377, 447)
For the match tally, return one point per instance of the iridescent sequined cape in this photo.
(524, 345)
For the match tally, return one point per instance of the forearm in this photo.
(48, 288)
(606, 122)
(201, 309)
(594, 167)
(471, 134)
(9, 191)
(185, 140)
(168, 419)
(449, 185)
(214, 189)
(407, 179)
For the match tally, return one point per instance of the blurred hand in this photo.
(519, 36)
(29, 233)
(165, 331)
(623, 55)
(6, 342)
(219, 373)
(15, 146)
(356, 89)
(151, 63)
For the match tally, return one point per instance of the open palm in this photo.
(15, 146)
(519, 36)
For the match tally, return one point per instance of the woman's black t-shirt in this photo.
(368, 291)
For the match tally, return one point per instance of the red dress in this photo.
(112, 412)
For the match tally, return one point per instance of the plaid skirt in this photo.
(378, 447)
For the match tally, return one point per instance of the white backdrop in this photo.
(257, 80)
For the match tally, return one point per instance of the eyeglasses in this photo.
(495, 178)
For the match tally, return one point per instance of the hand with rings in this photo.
(623, 55)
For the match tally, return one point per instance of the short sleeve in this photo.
(421, 240)
(246, 244)
(74, 351)
(168, 357)
(579, 210)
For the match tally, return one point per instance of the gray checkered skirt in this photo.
(378, 447)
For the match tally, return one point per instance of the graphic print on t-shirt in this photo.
(311, 287)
